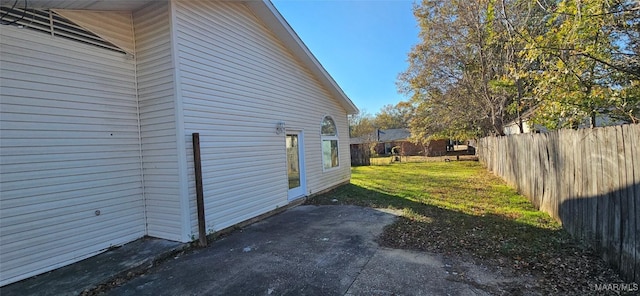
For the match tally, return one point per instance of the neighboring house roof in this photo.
(263, 9)
(357, 140)
(512, 127)
(396, 134)
(384, 135)
(526, 115)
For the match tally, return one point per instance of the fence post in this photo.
(197, 165)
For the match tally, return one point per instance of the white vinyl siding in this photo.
(156, 93)
(238, 80)
(69, 147)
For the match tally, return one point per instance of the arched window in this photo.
(329, 135)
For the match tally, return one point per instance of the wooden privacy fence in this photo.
(360, 155)
(589, 179)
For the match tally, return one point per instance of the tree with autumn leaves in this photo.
(483, 63)
(586, 63)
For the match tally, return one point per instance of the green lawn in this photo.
(459, 202)
(460, 208)
(463, 187)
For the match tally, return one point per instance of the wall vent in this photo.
(49, 22)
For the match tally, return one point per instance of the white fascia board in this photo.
(271, 16)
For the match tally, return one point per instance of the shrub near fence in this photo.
(588, 179)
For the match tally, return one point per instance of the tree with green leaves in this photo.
(394, 116)
(482, 63)
(580, 56)
(361, 126)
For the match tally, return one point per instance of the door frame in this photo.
(300, 191)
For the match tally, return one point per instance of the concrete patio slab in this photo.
(312, 250)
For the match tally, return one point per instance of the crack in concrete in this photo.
(347, 293)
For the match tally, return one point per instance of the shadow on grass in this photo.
(431, 228)
(609, 223)
(561, 263)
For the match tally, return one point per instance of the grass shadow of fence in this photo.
(585, 178)
(609, 223)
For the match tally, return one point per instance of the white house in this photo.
(98, 102)
(512, 127)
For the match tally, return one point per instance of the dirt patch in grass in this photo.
(458, 209)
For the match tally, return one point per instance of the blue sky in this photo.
(362, 44)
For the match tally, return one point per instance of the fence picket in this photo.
(634, 135)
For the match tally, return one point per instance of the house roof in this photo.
(396, 134)
(263, 9)
(526, 115)
(357, 140)
(384, 135)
